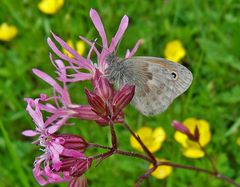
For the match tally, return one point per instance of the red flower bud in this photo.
(78, 182)
(71, 141)
(96, 102)
(123, 97)
(75, 166)
(181, 128)
(80, 167)
(102, 86)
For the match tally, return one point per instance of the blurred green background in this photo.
(209, 31)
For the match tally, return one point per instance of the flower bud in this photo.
(80, 167)
(102, 86)
(123, 97)
(96, 102)
(181, 128)
(71, 141)
(78, 182)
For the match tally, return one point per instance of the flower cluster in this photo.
(63, 157)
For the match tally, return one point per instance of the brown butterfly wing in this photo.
(158, 82)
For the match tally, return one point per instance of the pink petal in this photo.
(135, 48)
(62, 56)
(99, 26)
(29, 133)
(48, 80)
(91, 44)
(121, 30)
(68, 48)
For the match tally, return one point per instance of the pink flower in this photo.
(63, 158)
(108, 48)
(54, 147)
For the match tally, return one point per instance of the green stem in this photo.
(16, 160)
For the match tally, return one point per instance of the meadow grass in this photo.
(209, 31)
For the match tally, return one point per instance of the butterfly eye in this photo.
(174, 75)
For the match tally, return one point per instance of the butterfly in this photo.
(157, 81)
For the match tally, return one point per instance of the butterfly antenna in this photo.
(95, 42)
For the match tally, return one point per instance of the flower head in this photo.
(7, 32)
(63, 156)
(50, 6)
(190, 146)
(162, 171)
(104, 102)
(152, 138)
(56, 148)
(174, 51)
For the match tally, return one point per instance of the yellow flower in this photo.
(152, 138)
(80, 45)
(238, 141)
(50, 6)
(174, 51)
(162, 171)
(7, 32)
(191, 149)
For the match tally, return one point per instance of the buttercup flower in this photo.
(7, 32)
(152, 138)
(191, 148)
(174, 51)
(162, 171)
(50, 6)
(80, 47)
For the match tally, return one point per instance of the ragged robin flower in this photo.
(7, 32)
(80, 47)
(152, 138)
(63, 155)
(190, 146)
(50, 6)
(174, 51)
(162, 171)
(60, 161)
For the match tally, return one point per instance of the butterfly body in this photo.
(157, 81)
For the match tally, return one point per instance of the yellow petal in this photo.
(151, 138)
(193, 153)
(191, 149)
(203, 127)
(181, 138)
(142, 133)
(159, 134)
(80, 47)
(174, 51)
(50, 6)
(162, 171)
(7, 32)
